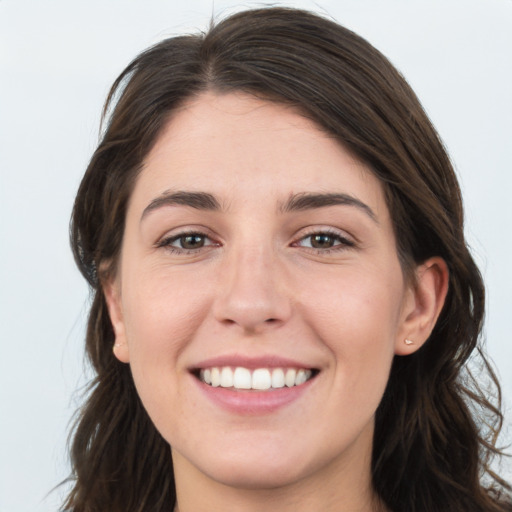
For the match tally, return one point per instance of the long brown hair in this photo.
(430, 450)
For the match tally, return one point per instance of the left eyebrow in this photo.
(309, 201)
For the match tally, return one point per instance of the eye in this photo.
(192, 241)
(325, 240)
(322, 241)
(186, 242)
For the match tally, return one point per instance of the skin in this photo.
(257, 287)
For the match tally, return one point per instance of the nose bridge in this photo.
(252, 289)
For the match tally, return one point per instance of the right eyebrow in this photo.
(198, 200)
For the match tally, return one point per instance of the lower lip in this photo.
(253, 402)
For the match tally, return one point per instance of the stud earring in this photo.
(408, 342)
(116, 345)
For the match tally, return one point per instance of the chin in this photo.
(261, 464)
(257, 476)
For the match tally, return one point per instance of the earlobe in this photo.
(113, 299)
(423, 305)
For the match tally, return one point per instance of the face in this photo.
(259, 299)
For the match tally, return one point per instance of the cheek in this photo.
(161, 314)
(354, 300)
(356, 315)
(161, 307)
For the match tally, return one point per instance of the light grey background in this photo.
(57, 61)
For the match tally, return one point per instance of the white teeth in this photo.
(289, 379)
(242, 378)
(226, 377)
(278, 378)
(215, 377)
(302, 376)
(260, 379)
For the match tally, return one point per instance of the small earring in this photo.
(408, 342)
(116, 345)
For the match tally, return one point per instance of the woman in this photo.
(283, 298)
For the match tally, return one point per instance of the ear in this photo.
(422, 306)
(112, 291)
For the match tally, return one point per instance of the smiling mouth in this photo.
(260, 379)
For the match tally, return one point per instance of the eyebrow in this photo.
(296, 202)
(198, 200)
(309, 201)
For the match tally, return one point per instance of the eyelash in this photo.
(343, 242)
(166, 242)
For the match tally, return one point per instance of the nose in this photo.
(252, 293)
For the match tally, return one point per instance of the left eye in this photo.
(193, 241)
(324, 241)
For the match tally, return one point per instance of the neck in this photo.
(342, 486)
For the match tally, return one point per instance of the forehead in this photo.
(237, 146)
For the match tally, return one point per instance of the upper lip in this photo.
(251, 363)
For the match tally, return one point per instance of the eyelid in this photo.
(347, 240)
(186, 229)
(171, 236)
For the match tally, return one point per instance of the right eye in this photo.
(186, 242)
